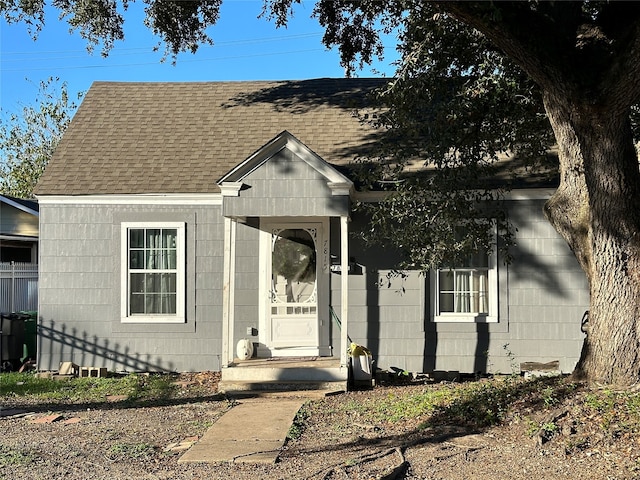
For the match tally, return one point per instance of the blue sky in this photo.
(245, 48)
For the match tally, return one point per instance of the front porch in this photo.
(283, 374)
(278, 208)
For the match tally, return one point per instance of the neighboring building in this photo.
(18, 230)
(180, 218)
(18, 254)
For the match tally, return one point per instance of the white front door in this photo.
(296, 264)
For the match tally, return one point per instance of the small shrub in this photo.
(513, 362)
(533, 427)
(549, 428)
(549, 396)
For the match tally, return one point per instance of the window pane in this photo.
(293, 266)
(446, 302)
(153, 283)
(153, 238)
(136, 303)
(152, 304)
(446, 280)
(462, 286)
(136, 238)
(152, 259)
(481, 300)
(170, 260)
(136, 259)
(153, 293)
(155, 304)
(168, 283)
(169, 236)
(169, 304)
(137, 282)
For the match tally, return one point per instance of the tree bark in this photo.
(596, 210)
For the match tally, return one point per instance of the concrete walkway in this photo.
(253, 431)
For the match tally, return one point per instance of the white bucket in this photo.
(244, 349)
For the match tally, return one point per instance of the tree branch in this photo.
(562, 45)
(523, 34)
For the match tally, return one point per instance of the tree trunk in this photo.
(597, 211)
(587, 68)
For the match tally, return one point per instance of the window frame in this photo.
(492, 316)
(125, 315)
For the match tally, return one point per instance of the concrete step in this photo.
(281, 388)
(289, 374)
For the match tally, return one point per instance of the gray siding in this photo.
(79, 301)
(285, 186)
(542, 296)
(247, 282)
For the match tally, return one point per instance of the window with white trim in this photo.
(469, 292)
(153, 272)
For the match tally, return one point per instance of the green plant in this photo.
(546, 429)
(400, 372)
(549, 396)
(633, 404)
(200, 424)
(355, 407)
(513, 363)
(485, 403)
(131, 450)
(618, 411)
(600, 401)
(489, 362)
(9, 457)
(87, 389)
(395, 408)
(549, 428)
(533, 427)
(14, 384)
(299, 423)
(575, 445)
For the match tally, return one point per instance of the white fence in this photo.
(18, 287)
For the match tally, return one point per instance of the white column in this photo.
(344, 288)
(228, 290)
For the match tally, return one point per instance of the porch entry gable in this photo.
(339, 183)
(290, 194)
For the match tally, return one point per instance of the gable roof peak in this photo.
(285, 140)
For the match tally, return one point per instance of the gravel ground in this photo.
(110, 441)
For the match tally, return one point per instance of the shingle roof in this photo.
(131, 138)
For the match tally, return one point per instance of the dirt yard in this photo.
(349, 436)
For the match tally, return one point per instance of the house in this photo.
(18, 230)
(179, 219)
(18, 254)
